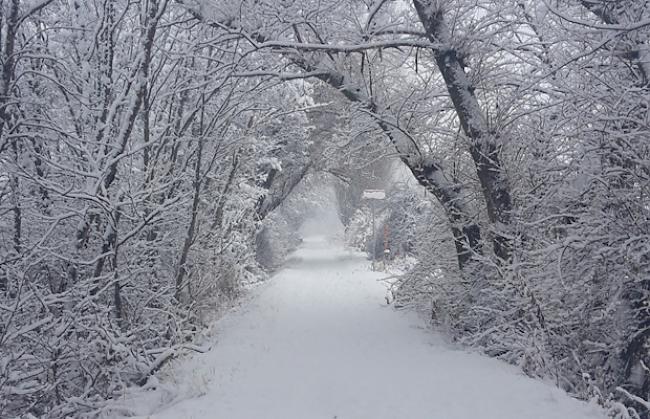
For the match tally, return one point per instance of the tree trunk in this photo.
(191, 228)
(277, 192)
(108, 249)
(223, 197)
(428, 173)
(9, 60)
(484, 147)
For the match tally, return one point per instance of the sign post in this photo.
(373, 195)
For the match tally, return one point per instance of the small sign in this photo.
(374, 194)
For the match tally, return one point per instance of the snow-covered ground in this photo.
(318, 341)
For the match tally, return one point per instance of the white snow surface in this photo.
(318, 341)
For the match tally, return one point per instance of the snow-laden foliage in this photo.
(133, 167)
(142, 144)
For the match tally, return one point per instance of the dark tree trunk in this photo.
(278, 189)
(223, 197)
(484, 147)
(191, 228)
(9, 60)
(428, 173)
(466, 233)
(108, 250)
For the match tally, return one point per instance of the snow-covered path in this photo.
(318, 341)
